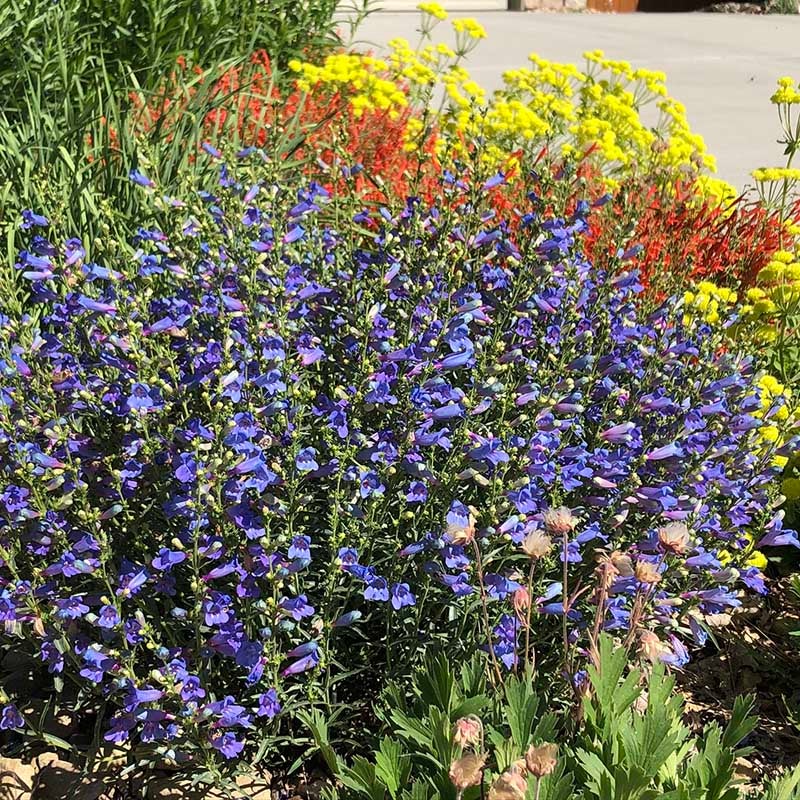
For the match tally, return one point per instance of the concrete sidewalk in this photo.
(722, 67)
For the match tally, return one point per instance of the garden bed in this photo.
(367, 435)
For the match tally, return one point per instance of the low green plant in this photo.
(448, 739)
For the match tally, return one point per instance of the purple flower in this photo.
(347, 619)
(108, 617)
(619, 433)
(167, 559)
(140, 179)
(192, 690)
(268, 704)
(347, 556)
(302, 665)
(300, 548)
(402, 596)
(135, 697)
(306, 460)
(228, 713)
(505, 640)
(417, 492)
(296, 607)
(132, 579)
(370, 484)
(10, 718)
(377, 589)
(217, 609)
(31, 220)
(52, 656)
(71, 607)
(227, 744)
(142, 398)
(120, 727)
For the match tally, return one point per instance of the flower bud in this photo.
(537, 544)
(559, 521)
(540, 760)
(511, 785)
(674, 538)
(467, 771)
(651, 647)
(459, 535)
(647, 572)
(622, 563)
(521, 600)
(468, 731)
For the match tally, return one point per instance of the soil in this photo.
(755, 653)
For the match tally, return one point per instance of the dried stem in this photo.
(484, 608)
(599, 615)
(528, 621)
(565, 606)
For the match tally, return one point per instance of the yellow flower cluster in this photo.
(707, 300)
(469, 27)
(778, 291)
(596, 110)
(787, 93)
(717, 191)
(776, 399)
(752, 558)
(775, 174)
(713, 303)
(433, 9)
(362, 77)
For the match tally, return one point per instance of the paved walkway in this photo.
(722, 67)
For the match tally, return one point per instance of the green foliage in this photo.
(66, 44)
(68, 70)
(631, 745)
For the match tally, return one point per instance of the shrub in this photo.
(285, 437)
(683, 240)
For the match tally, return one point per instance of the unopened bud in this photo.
(674, 538)
(647, 572)
(622, 563)
(521, 600)
(511, 785)
(651, 647)
(467, 771)
(460, 535)
(540, 760)
(468, 731)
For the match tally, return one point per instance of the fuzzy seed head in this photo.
(559, 521)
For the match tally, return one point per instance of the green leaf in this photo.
(392, 766)
(522, 705)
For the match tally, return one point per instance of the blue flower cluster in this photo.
(225, 450)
